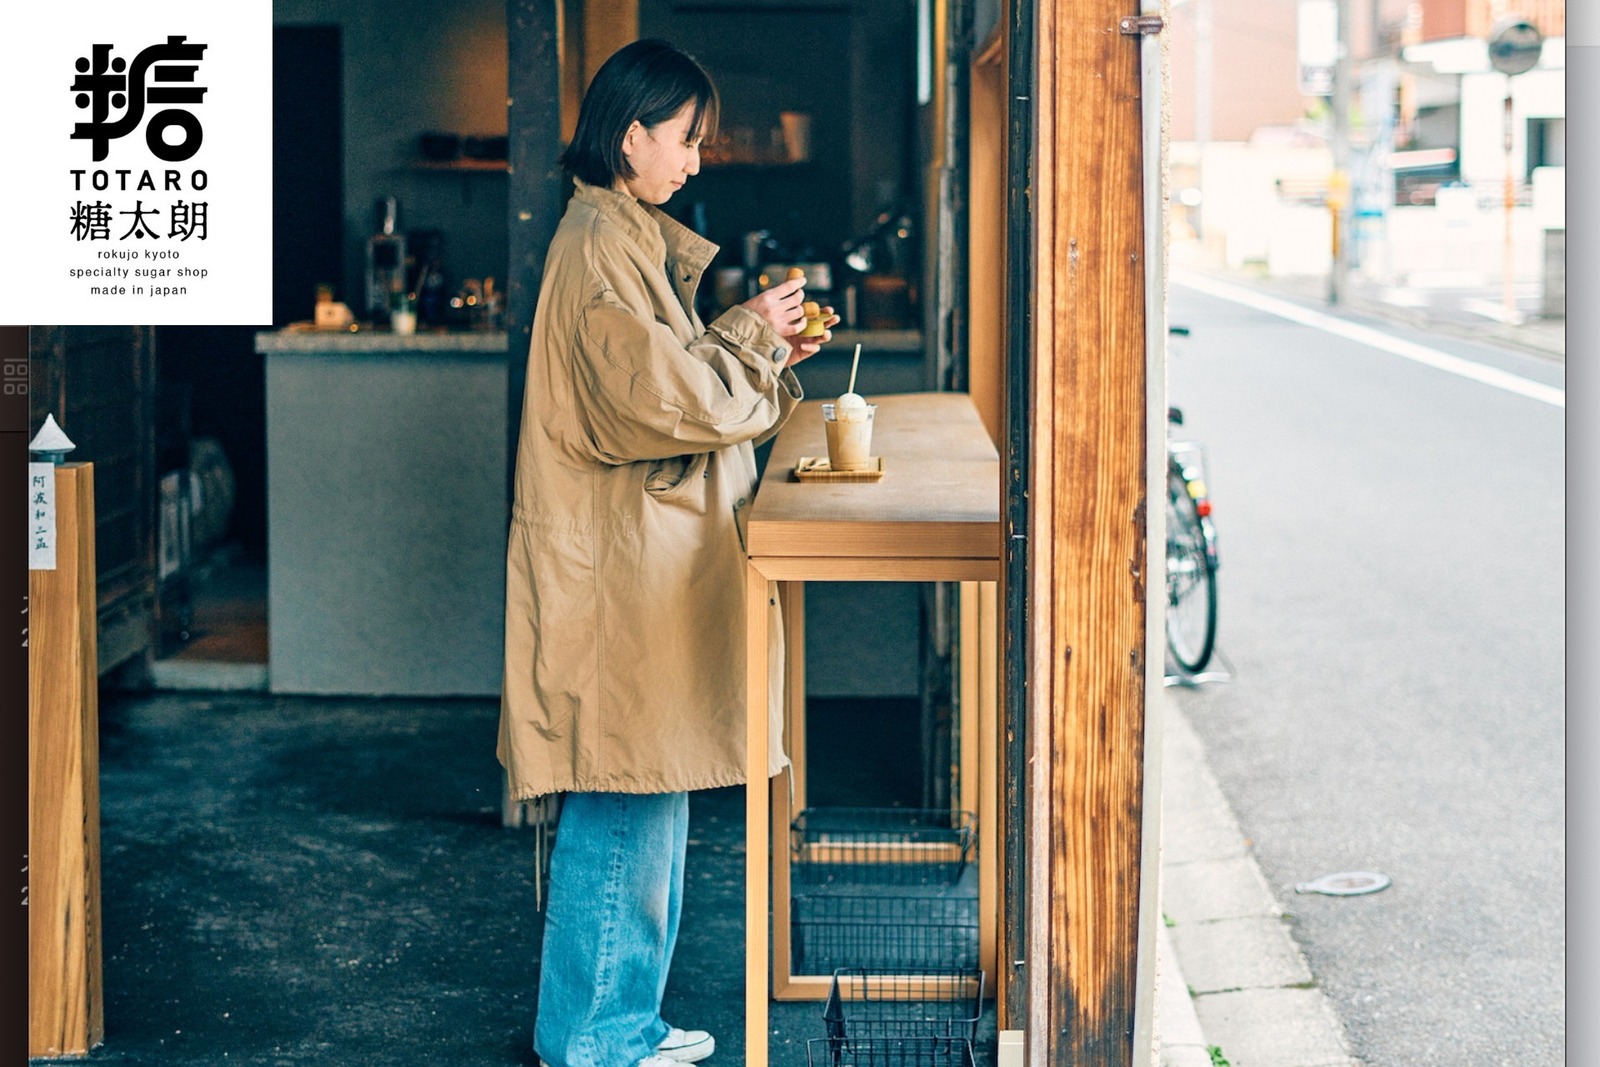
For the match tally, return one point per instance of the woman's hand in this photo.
(805, 347)
(781, 306)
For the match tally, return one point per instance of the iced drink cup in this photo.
(849, 439)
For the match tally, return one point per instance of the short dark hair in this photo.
(648, 81)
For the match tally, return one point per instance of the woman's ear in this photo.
(630, 135)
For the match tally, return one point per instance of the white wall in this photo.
(1243, 212)
(1430, 246)
(1539, 93)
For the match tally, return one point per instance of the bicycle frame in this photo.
(1188, 457)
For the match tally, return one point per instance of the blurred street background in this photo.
(1412, 170)
(1370, 252)
(1392, 608)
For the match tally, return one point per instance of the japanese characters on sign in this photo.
(41, 517)
(161, 74)
(148, 174)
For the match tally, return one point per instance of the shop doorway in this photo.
(210, 406)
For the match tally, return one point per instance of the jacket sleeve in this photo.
(644, 394)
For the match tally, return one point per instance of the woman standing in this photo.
(624, 675)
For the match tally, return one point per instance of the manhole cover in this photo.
(1345, 884)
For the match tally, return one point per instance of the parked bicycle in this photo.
(1191, 552)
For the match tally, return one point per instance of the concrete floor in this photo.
(295, 881)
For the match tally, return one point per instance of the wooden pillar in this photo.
(65, 1006)
(1084, 521)
(986, 240)
(607, 26)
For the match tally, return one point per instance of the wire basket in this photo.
(914, 1002)
(864, 927)
(880, 846)
(889, 1052)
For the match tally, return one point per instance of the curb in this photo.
(1226, 954)
(1182, 1043)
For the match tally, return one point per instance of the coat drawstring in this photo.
(544, 812)
(539, 814)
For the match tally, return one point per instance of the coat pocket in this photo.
(676, 478)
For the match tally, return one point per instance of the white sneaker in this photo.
(683, 1046)
(679, 1047)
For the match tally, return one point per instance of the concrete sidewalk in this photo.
(1231, 977)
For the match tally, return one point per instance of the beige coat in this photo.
(624, 665)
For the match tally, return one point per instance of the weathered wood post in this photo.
(65, 1004)
(1078, 517)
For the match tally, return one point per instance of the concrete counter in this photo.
(386, 490)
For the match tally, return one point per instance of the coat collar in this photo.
(660, 236)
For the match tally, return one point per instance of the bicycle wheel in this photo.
(1191, 581)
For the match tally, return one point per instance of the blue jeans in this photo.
(616, 892)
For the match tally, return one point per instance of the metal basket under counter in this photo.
(889, 1052)
(909, 1002)
(885, 889)
(881, 846)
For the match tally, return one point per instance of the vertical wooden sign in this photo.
(65, 1009)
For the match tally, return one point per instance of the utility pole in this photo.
(1508, 290)
(1515, 45)
(1339, 183)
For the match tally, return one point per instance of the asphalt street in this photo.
(1392, 599)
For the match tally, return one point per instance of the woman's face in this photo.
(662, 157)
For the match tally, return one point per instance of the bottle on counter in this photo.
(427, 283)
(432, 300)
(386, 260)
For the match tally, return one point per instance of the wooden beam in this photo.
(1087, 535)
(607, 26)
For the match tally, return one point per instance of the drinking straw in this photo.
(854, 363)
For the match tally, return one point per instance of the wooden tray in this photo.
(816, 469)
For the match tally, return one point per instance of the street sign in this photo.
(1514, 45)
(1317, 46)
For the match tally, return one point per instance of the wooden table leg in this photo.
(788, 790)
(980, 691)
(756, 908)
(990, 876)
(793, 597)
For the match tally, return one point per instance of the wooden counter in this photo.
(937, 508)
(934, 516)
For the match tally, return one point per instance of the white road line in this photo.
(1366, 335)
